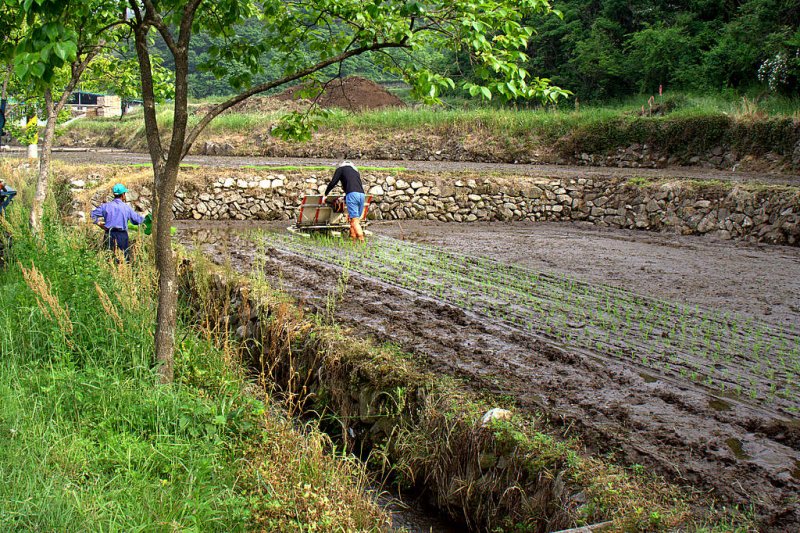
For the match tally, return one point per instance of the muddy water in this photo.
(746, 454)
(755, 279)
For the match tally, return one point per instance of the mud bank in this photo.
(743, 453)
(418, 430)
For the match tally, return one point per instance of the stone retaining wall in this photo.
(634, 155)
(725, 210)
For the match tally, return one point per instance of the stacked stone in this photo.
(768, 215)
(473, 200)
(645, 156)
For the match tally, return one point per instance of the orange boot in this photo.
(356, 233)
(353, 233)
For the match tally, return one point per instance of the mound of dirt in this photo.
(354, 93)
(254, 104)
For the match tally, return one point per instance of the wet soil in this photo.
(740, 452)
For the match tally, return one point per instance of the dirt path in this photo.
(122, 157)
(745, 453)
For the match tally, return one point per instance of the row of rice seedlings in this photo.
(726, 352)
(414, 271)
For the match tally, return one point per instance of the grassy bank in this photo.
(676, 128)
(549, 123)
(91, 441)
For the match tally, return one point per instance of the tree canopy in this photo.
(612, 48)
(600, 49)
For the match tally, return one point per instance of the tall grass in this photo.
(92, 442)
(131, 126)
(555, 122)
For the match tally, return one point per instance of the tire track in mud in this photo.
(744, 455)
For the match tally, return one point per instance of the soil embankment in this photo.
(104, 156)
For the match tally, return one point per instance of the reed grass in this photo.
(91, 441)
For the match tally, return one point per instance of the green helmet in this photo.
(119, 189)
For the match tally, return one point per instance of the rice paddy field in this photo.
(659, 368)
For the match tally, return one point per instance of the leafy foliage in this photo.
(115, 75)
(611, 48)
(281, 38)
(55, 33)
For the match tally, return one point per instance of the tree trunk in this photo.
(165, 173)
(53, 108)
(166, 317)
(43, 181)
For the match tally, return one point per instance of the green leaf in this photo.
(21, 69)
(72, 50)
(52, 31)
(38, 69)
(61, 50)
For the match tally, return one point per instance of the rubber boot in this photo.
(353, 232)
(356, 233)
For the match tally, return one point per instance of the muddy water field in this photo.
(678, 353)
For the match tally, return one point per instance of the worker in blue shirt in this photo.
(116, 214)
(6, 195)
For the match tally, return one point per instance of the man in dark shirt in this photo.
(354, 196)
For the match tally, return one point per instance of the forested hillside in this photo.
(605, 49)
(611, 48)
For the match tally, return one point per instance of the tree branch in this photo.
(216, 110)
(151, 17)
(186, 23)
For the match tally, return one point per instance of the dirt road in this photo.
(122, 157)
(744, 453)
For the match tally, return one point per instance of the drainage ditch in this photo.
(426, 438)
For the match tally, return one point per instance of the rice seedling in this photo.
(705, 346)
